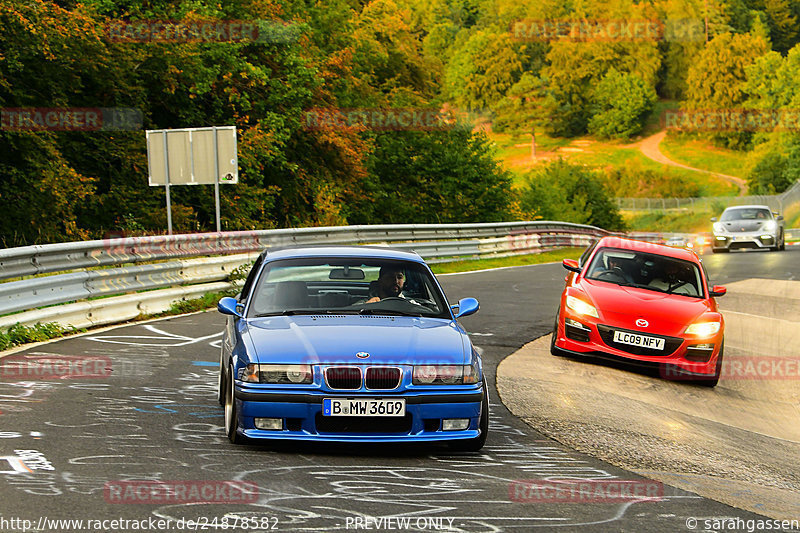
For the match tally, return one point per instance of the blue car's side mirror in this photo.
(229, 306)
(466, 306)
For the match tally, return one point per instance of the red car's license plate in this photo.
(638, 340)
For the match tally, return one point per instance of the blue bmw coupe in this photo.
(349, 344)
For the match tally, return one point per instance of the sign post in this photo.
(192, 156)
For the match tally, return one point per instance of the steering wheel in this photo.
(616, 272)
(679, 284)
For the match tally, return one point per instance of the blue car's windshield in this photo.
(346, 286)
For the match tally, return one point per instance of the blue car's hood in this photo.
(337, 339)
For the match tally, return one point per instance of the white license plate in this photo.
(638, 340)
(739, 239)
(363, 407)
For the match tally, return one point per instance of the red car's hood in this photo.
(666, 314)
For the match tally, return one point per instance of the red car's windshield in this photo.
(646, 271)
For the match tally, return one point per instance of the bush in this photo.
(19, 334)
(620, 105)
(433, 178)
(632, 180)
(773, 169)
(569, 193)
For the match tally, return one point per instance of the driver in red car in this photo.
(390, 284)
(615, 269)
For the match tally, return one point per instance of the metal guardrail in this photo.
(230, 250)
(776, 202)
(49, 290)
(48, 258)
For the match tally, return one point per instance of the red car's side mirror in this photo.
(571, 265)
(718, 290)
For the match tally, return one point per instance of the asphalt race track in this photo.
(69, 448)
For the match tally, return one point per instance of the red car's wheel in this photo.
(712, 382)
(555, 350)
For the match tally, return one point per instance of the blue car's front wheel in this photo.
(231, 413)
(221, 381)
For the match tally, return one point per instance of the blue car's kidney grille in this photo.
(343, 377)
(385, 378)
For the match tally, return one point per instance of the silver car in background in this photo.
(748, 226)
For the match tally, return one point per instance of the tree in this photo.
(482, 70)
(522, 110)
(782, 18)
(576, 67)
(774, 166)
(569, 193)
(433, 177)
(620, 104)
(717, 81)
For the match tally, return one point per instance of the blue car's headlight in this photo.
(445, 374)
(277, 374)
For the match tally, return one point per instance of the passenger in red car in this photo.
(676, 279)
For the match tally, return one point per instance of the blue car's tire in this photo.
(232, 414)
(221, 384)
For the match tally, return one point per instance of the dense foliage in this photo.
(480, 56)
(573, 193)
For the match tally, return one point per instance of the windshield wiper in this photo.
(290, 312)
(386, 312)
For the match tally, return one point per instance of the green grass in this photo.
(207, 301)
(608, 155)
(792, 216)
(514, 153)
(599, 154)
(517, 158)
(702, 154)
(677, 221)
(514, 260)
(18, 334)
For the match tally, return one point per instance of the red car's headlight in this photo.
(704, 329)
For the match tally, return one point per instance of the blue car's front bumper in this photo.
(301, 412)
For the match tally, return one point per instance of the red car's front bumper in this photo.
(589, 336)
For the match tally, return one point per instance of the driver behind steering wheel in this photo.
(390, 284)
(615, 267)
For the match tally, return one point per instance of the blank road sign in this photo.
(191, 156)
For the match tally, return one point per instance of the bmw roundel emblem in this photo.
(362, 355)
(642, 323)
